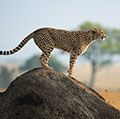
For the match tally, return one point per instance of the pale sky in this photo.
(20, 17)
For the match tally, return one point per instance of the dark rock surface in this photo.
(46, 94)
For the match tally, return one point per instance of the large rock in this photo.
(46, 94)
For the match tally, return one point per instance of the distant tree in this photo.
(90, 25)
(31, 63)
(5, 77)
(97, 59)
(57, 64)
(113, 42)
(97, 54)
(34, 62)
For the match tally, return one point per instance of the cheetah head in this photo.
(98, 34)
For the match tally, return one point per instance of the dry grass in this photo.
(112, 97)
(106, 78)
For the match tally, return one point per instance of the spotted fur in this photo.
(75, 42)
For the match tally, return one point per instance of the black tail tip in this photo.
(1, 52)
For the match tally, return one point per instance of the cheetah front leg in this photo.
(73, 58)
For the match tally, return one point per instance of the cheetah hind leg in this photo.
(73, 58)
(44, 58)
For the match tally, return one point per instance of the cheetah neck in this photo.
(89, 40)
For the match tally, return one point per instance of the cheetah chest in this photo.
(84, 49)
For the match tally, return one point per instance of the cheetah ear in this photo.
(94, 30)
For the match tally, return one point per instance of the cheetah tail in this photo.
(16, 49)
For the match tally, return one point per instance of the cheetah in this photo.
(74, 42)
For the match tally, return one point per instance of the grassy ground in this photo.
(107, 78)
(112, 97)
